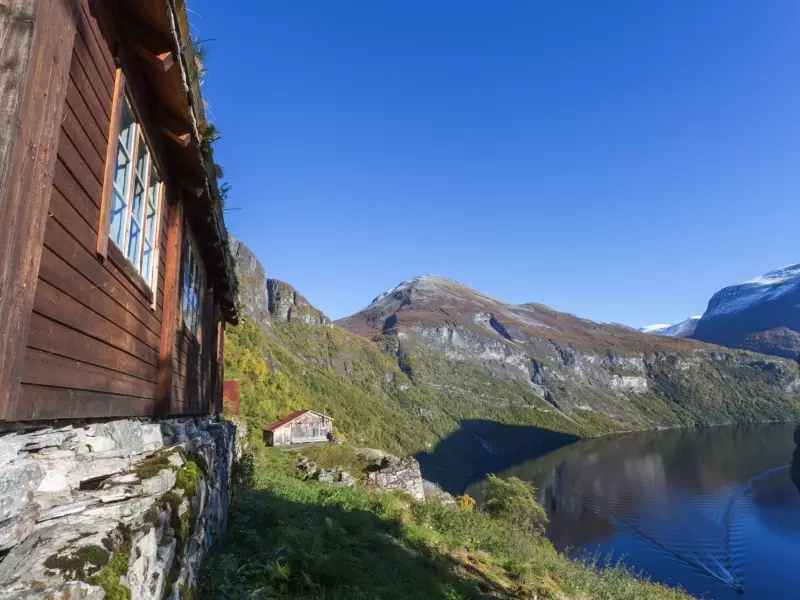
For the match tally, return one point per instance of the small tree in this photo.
(514, 501)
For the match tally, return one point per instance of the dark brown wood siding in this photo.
(94, 347)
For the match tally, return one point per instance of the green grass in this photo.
(294, 539)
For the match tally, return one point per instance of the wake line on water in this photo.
(717, 571)
(724, 575)
(735, 497)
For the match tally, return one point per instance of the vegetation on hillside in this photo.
(373, 401)
(293, 539)
(406, 398)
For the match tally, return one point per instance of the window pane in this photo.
(134, 239)
(117, 229)
(152, 204)
(122, 175)
(147, 259)
(126, 126)
(141, 159)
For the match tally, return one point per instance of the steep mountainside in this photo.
(578, 366)
(433, 363)
(761, 314)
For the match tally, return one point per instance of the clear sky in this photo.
(621, 160)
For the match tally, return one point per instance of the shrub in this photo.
(514, 501)
(465, 502)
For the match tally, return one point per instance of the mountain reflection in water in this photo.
(703, 509)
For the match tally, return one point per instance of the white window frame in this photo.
(193, 287)
(139, 231)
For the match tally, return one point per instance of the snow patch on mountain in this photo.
(683, 329)
(656, 328)
(767, 287)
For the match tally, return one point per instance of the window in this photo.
(193, 287)
(136, 196)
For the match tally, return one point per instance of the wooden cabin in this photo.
(115, 274)
(299, 427)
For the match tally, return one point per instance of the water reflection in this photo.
(695, 508)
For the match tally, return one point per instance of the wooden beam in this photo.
(156, 49)
(194, 188)
(28, 169)
(172, 281)
(162, 60)
(16, 31)
(175, 129)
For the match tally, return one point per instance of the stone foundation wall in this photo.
(118, 510)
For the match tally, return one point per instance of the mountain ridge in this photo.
(432, 353)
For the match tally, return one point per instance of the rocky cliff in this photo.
(265, 298)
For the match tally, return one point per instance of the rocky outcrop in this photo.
(288, 305)
(266, 299)
(388, 472)
(120, 509)
(253, 292)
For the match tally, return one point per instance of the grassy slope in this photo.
(293, 539)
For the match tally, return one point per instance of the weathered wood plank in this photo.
(173, 234)
(89, 125)
(42, 402)
(54, 271)
(54, 338)
(71, 126)
(28, 170)
(16, 31)
(100, 41)
(71, 252)
(102, 80)
(72, 159)
(98, 49)
(100, 114)
(43, 368)
(207, 350)
(59, 306)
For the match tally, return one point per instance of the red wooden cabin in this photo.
(115, 274)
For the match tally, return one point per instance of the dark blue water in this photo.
(712, 510)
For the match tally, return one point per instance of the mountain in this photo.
(762, 314)
(433, 367)
(683, 329)
(265, 298)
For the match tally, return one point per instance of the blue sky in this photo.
(621, 160)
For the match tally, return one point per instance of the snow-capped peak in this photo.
(683, 329)
(776, 276)
(656, 328)
(766, 287)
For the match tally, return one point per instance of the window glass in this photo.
(135, 197)
(122, 172)
(193, 287)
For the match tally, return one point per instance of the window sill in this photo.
(123, 264)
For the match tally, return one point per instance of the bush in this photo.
(514, 501)
(465, 502)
